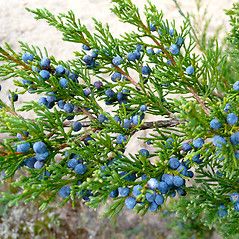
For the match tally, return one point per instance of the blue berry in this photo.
(168, 178)
(198, 143)
(186, 147)
(127, 123)
(61, 104)
(102, 118)
(26, 57)
(218, 141)
(144, 152)
(190, 174)
(178, 181)
(136, 119)
(159, 199)
(121, 139)
(189, 70)
(94, 53)
(116, 76)
(153, 207)
(227, 107)
(143, 108)
(152, 27)
(182, 170)
(23, 147)
(232, 119)
(236, 206)
(85, 47)
(44, 74)
(215, 124)
(137, 190)
(63, 82)
(174, 163)
(39, 147)
(234, 197)
(76, 126)
(73, 76)
(68, 108)
(80, 168)
(139, 47)
(236, 86)
(109, 93)
(30, 162)
(123, 191)
(222, 211)
(72, 163)
(98, 84)
(174, 49)
(117, 119)
(171, 32)
(146, 70)
(235, 138)
(196, 159)
(87, 91)
(42, 156)
(60, 70)
(13, 97)
(64, 192)
(132, 56)
(150, 197)
(163, 187)
(179, 41)
(130, 202)
(87, 59)
(181, 192)
(117, 60)
(150, 51)
(114, 193)
(38, 165)
(24, 82)
(45, 62)
(153, 183)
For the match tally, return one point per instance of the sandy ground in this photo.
(19, 25)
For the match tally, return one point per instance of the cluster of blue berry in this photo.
(40, 150)
(90, 58)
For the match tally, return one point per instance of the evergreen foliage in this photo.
(74, 147)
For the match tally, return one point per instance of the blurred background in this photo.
(26, 221)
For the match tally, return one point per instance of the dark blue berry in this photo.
(76, 126)
(186, 147)
(153, 207)
(61, 104)
(13, 97)
(85, 47)
(198, 143)
(150, 196)
(218, 141)
(168, 178)
(26, 57)
(38, 165)
(63, 82)
(42, 156)
(174, 163)
(227, 107)
(236, 206)
(98, 84)
(45, 62)
(174, 49)
(121, 139)
(159, 199)
(117, 60)
(102, 118)
(72, 163)
(163, 187)
(80, 168)
(144, 152)
(235, 138)
(150, 51)
(179, 41)
(137, 190)
(109, 93)
(153, 183)
(146, 70)
(116, 76)
(232, 119)
(114, 193)
(130, 202)
(123, 191)
(68, 108)
(44, 74)
(39, 147)
(23, 147)
(64, 192)
(215, 124)
(87, 91)
(189, 70)
(152, 27)
(236, 86)
(143, 108)
(30, 162)
(60, 70)
(178, 181)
